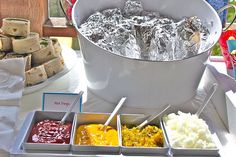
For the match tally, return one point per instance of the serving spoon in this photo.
(207, 99)
(147, 121)
(114, 112)
(71, 107)
(199, 111)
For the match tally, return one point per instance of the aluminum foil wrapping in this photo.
(132, 8)
(136, 33)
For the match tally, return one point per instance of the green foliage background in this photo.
(55, 9)
(216, 49)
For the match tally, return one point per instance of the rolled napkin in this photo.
(16, 27)
(35, 75)
(45, 53)
(5, 43)
(27, 44)
(27, 58)
(54, 66)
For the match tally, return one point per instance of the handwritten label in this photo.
(60, 102)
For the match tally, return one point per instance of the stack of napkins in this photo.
(11, 88)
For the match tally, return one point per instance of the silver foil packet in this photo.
(136, 33)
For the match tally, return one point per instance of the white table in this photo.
(74, 81)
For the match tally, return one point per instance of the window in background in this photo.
(56, 13)
(55, 9)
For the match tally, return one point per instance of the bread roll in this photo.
(54, 66)
(26, 44)
(57, 46)
(16, 27)
(35, 75)
(45, 53)
(5, 43)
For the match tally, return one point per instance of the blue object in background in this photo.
(217, 4)
(232, 46)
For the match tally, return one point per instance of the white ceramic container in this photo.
(145, 83)
(135, 120)
(43, 115)
(94, 118)
(188, 151)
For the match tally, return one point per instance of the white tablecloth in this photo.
(74, 81)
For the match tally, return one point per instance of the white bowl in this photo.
(145, 83)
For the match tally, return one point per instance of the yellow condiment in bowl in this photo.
(150, 136)
(93, 134)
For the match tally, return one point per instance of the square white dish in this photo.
(188, 151)
(42, 115)
(94, 118)
(135, 120)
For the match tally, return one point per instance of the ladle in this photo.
(118, 106)
(71, 107)
(207, 99)
(147, 121)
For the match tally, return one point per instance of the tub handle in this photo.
(68, 19)
(224, 8)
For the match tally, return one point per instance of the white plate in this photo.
(69, 56)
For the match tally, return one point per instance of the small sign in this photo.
(61, 102)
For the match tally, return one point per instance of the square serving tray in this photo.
(135, 120)
(94, 118)
(42, 115)
(188, 151)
